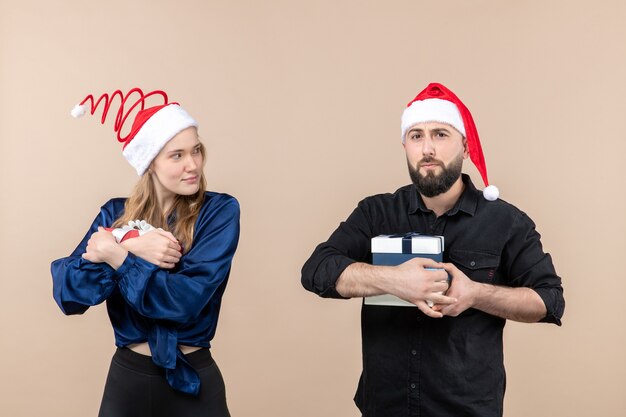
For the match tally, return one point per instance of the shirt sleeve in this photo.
(529, 266)
(350, 243)
(77, 283)
(180, 296)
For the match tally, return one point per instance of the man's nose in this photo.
(428, 146)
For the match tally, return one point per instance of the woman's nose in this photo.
(191, 163)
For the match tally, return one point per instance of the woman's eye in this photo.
(176, 156)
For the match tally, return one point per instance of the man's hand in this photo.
(102, 247)
(157, 247)
(418, 285)
(462, 288)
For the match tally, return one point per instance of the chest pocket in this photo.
(479, 266)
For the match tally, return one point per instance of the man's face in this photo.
(435, 153)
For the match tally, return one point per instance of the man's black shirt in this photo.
(414, 365)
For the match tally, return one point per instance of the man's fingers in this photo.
(442, 299)
(427, 310)
(437, 274)
(449, 311)
(440, 286)
(429, 263)
(449, 268)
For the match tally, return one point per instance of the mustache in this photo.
(430, 160)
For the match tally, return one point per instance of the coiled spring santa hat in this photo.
(438, 104)
(152, 128)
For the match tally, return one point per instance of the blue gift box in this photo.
(395, 249)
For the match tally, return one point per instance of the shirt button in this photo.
(412, 386)
(473, 263)
(414, 352)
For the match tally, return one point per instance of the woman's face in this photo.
(177, 168)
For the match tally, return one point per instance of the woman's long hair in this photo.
(143, 205)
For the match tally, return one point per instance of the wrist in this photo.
(387, 279)
(481, 293)
(115, 255)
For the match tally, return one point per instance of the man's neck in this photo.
(443, 202)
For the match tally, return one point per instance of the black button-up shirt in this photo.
(414, 365)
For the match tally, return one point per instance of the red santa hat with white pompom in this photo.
(438, 104)
(152, 128)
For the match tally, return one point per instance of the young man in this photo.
(444, 360)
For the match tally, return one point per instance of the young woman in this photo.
(161, 260)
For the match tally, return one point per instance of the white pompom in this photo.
(79, 110)
(491, 193)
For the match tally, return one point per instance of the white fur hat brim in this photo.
(159, 129)
(432, 110)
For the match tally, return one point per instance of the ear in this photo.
(466, 153)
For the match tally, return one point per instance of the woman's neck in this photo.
(165, 201)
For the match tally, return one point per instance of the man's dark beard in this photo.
(432, 185)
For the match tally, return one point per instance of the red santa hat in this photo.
(152, 128)
(438, 104)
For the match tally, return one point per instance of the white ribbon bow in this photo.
(141, 225)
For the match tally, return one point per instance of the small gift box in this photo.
(396, 249)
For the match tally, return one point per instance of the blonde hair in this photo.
(142, 204)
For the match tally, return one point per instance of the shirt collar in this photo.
(466, 203)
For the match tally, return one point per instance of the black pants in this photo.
(136, 387)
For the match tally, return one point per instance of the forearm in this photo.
(518, 304)
(364, 280)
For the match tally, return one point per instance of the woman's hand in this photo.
(157, 247)
(102, 247)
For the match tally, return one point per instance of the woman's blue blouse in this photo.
(165, 307)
